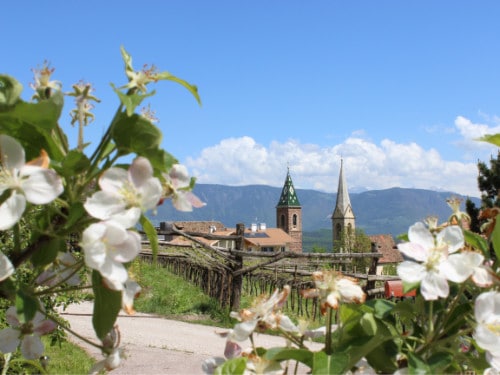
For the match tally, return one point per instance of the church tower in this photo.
(343, 220)
(289, 214)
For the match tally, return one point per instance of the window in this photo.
(294, 220)
(282, 221)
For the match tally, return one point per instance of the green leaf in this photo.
(235, 366)
(74, 163)
(337, 363)
(440, 362)
(35, 125)
(408, 287)
(477, 242)
(107, 305)
(382, 308)
(131, 101)
(10, 91)
(491, 138)
(192, 88)
(48, 252)
(161, 160)
(282, 354)
(135, 134)
(369, 324)
(417, 366)
(495, 237)
(76, 212)
(383, 357)
(26, 306)
(150, 231)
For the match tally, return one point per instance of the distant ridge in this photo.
(389, 211)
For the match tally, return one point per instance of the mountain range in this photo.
(389, 211)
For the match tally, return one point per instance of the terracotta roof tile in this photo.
(387, 246)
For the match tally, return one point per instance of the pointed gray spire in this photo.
(343, 205)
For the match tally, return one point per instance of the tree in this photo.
(488, 182)
(357, 243)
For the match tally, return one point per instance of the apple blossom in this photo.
(20, 182)
(112, 352)
(25, 334)
(264, 313)
(333, 288)
(435, 262)
(487, 332)
(124, 195)
(43, 84)
(130, 291)
(178, 185)
(62, 270)
(107, 245)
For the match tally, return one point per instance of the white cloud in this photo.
(242, 161)
(471, 131)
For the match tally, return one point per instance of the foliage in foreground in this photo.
(451, 326)
(70, 214)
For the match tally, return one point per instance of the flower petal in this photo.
(6, 267)
(150, 192)
(140, 171)
(411, 272)
(11, 210)
(459, 267)
(414, 251)
(418, 233)
(9, 340)
(113, 180)
(31, 347)
(104, 204)
(130, 292)
(434, 286)
(209, 365)
(40, 185)
(11, 153)
(242, 330)
(483, 276)
(451, 236)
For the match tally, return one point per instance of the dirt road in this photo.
(154, 345)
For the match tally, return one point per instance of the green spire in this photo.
(288, 196)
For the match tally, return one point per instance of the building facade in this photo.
(289, 214)
(343, 219)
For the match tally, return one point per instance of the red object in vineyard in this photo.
(394, 289)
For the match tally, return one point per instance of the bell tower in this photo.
(289, 214)
(343, 220)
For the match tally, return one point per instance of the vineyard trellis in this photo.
(224, 273)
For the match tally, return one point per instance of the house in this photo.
(260, 238)
(256, 238)
(391, 255)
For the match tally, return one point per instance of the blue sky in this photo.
(399, 90)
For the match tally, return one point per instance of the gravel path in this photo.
(155, 345)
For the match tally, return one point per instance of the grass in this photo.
(67, 359)
(169, 295)
(63, 358)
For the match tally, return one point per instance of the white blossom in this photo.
(124, 195)
(20, 182)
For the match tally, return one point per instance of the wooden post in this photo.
(237, 281)
(370, 284)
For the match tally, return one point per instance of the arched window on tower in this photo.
(294, 220)
(282, 221)
(338, 231)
